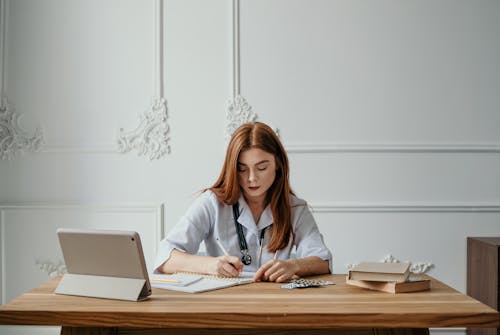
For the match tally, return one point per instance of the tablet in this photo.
(104, 254)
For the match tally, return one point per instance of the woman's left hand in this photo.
(277, 271)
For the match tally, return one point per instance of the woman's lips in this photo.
(253, 188)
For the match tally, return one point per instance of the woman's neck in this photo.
(256, 207)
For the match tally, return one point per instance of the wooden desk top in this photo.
(256, 305)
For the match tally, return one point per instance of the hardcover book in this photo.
(378, 271)
(411, 285)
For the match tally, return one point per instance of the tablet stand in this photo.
(102, 287)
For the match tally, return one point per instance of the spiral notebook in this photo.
(195, 283)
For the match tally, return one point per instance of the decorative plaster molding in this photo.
(13, 139)
(421, 267)
(239, 112)
(53, 269)
(415, 267)
(151, 137)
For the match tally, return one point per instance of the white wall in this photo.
(389, 111)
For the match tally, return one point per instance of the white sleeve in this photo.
(190, 231)
(308, 239)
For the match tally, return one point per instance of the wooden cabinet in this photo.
(483, 275)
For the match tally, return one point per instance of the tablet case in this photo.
(103, 264)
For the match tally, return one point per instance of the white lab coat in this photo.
(208, 219)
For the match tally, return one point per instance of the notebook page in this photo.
(176, 279)
(207, 282)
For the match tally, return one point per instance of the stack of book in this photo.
(387, 277)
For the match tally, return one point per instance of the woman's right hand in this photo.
(227, 266)
(179, 261)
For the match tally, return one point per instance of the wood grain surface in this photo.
(256, 305)
(242, 331)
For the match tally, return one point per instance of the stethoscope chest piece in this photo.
(245, 257)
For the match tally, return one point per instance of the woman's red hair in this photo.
(227, 188)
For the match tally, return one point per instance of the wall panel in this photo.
(81, 70)
(379, 72)
(389, 111)
(29, 237)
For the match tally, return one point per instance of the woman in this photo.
(249, 219)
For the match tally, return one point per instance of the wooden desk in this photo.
(251, 309)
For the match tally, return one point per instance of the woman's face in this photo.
(256, 173)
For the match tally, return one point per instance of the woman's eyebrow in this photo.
(258, 163)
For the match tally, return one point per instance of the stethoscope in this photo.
(245, 255)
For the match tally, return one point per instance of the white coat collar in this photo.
(246, 217)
